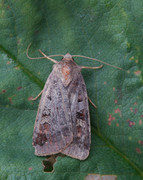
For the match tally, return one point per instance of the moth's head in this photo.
(68, 57)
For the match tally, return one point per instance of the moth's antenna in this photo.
(41, 53)
(29, 56)
(96, 60)
(48, 57)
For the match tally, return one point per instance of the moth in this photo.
(63, 122)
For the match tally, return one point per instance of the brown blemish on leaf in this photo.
(36, 32)
(140, 122)
(131, 123)
(8, 62)
(137, 61)
(128, 72)
(30, 169)
(99, 177)
(137, 72)
(3, 91)
(19, 88)
(138, 150)
(116, 101)
(18, 41)
(117, 124)
(132, 58)
(8, 6)
(10, 99)
(113, 88)
(16, 67)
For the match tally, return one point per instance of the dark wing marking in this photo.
(80, 146)
(53, 127)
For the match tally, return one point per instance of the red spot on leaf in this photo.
(140, 142)
(30, 168)
(10, 99)
(131, 123)
(8, 6)
(111, 118)
(140, 122)
(113, 88)
(138, 150)
(137, 72)
(117, 110)
(131, 109)
(3, 91)
(135, 103)
(16, 68)
(8, 62)
(116, 101)
(135, 111)
(19, 88)
(105, 82)
(142, 115)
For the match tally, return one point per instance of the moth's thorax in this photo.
(68, 57)
(66, 69)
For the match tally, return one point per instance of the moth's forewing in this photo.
(53, 127)
(80, 146)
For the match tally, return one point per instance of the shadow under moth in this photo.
(63, 122)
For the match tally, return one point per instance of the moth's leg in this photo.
(86, 67)
(48, 57)
(37, 96)
(91, 102)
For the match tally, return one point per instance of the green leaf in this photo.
(108, 30)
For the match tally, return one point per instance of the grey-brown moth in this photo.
(63, 122)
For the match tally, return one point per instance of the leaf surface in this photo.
(107, 30)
